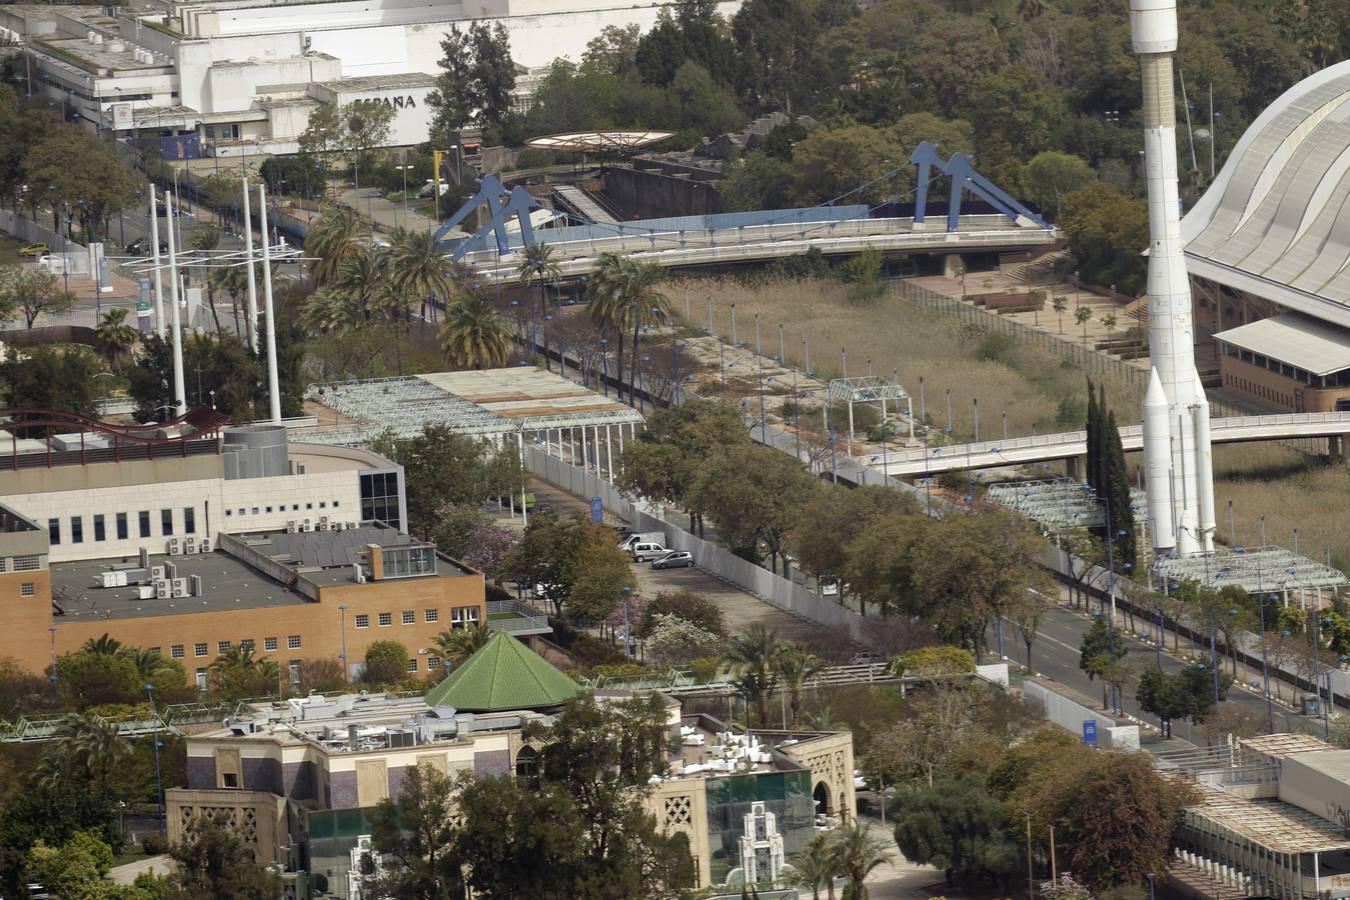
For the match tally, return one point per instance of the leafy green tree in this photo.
(832, 520)
(956, 826)
(952, 55)
(781, 64)
(665, 463)
(214, 861)
(415, 835)
(95, 679)
(613, 51)
(694, 32)
(523, 842)
(81, 173)
(574, 563)
(754, 494)
(476, 79)
(444, 467)
(1107, 231)
(75, 870)
(32, 293)
(386, 662)
(602, 757)
(755, 181)
(86, 752)
(832, 162)
(1049, 175)
(52, 814)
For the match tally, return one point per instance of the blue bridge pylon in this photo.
(964, 178)
(502, 204)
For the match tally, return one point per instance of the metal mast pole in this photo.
(179, 392)
(252, 275)
(273, 390)
(159, 276)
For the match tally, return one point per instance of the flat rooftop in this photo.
(227, 583)
(380, 82)
(326, 557)
(495, 401)
(1317, 347)
(1275, 824)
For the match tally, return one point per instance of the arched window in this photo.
(527, 767)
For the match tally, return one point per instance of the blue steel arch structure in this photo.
(503, 204)
(963, 178)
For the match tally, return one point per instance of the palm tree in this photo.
(233, 280)
(336, 236)
(87, 747)
(625, 296)
(148, 662)
(1082, 315)
(237, 673)
(796, 667)
(1059, 305)
(115, 338)
(207, 239)
(859, 851)
(418, 269)
(817, 864)
(539, 266)
(103, 646)
(754, 655)
(361, 290)
(458, 644)
(474, 335)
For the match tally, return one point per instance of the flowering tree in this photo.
(675, 641)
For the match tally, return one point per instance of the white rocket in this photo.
(1177, 464)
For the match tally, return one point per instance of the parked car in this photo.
(35, 250)
(628, 541)
(141, 247)
(646, 551)
(52, 265)
(675, 559)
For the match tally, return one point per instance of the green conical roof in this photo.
(505, 674)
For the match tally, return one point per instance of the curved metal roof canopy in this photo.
(582, 141)
(1276, 221)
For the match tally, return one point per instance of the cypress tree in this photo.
(1117, 490)
(1104, 443)
(1092, 435)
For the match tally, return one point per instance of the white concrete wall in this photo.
(412, 116)
(277, 500)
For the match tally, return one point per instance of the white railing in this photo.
(1072, 443)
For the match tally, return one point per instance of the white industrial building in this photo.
(242, 76)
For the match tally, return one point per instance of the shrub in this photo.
(386, 662)
(997, 348)
(154, 844)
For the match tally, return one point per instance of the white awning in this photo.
(1305, 343)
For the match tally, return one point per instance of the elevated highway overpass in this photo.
(918, 461)
(755, 243)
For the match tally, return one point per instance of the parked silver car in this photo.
(675, 559)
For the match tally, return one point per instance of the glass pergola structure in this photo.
(1056, 504)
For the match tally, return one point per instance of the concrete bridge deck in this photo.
(1071, 444)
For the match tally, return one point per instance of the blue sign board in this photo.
(1090, 732)
(597, 510)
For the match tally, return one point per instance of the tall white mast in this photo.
(252, 276)
(273, 390)
(179, 394)
(159, 276)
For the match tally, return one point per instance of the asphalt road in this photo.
(1055, 654)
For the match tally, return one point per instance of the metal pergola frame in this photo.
(865, 389)
(416, 403)
(1057, 504)
(1256, 570)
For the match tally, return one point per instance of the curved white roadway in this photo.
(1044, 447)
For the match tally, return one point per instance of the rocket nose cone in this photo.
(1155, 395)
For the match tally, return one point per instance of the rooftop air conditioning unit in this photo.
(195, 585)
(170, 571)
(292, 526)
(89, 36)
(180, 587)
(308, 524)
(145, 558)
(205, 545)
(157, 573)
(360, 573)
(351, 525)
(146, 592)
(190, 545)
(163, 590)
(175, 547)
(323, 524)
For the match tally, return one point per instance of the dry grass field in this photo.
(1292, 491)
(1036, 390)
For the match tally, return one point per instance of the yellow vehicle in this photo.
(38, 249)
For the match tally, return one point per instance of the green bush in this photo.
(997, 348)
(386, 662)
(154, 844)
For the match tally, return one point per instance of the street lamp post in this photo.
(346, 670)
(159, 782)
(56, 691)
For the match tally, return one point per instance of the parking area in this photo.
(740, 608)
